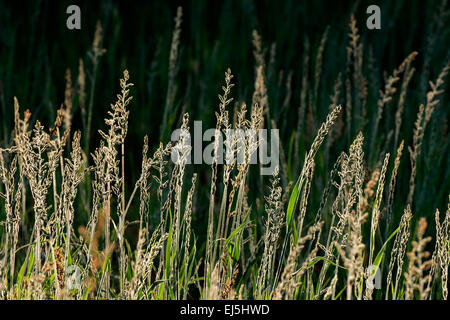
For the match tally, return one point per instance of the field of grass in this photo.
(92, 205)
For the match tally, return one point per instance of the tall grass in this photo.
(76, 225)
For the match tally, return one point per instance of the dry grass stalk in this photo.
(407, 76)
(303, 95)
(376, 209)
(74, 175)
(355, 59)
(441, 254)
(111, 178)
(258, 51)
(173, 69)
(222, 117)
(392, 184)
(81, 80)
(398, 252)
(287, 285)
(423, 118)
(416, 277)
(337, 130)
(319, 60)
(94, 55)
(414, 152)
(387, 94)
(39, 157)
(275, 218)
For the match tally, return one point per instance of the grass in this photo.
(84, 215)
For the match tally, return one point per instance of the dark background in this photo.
(36, 48)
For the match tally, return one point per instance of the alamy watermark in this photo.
(374, 20)
(228, 146)
(373, 280)
(74, 20)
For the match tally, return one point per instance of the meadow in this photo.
(92, 205)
